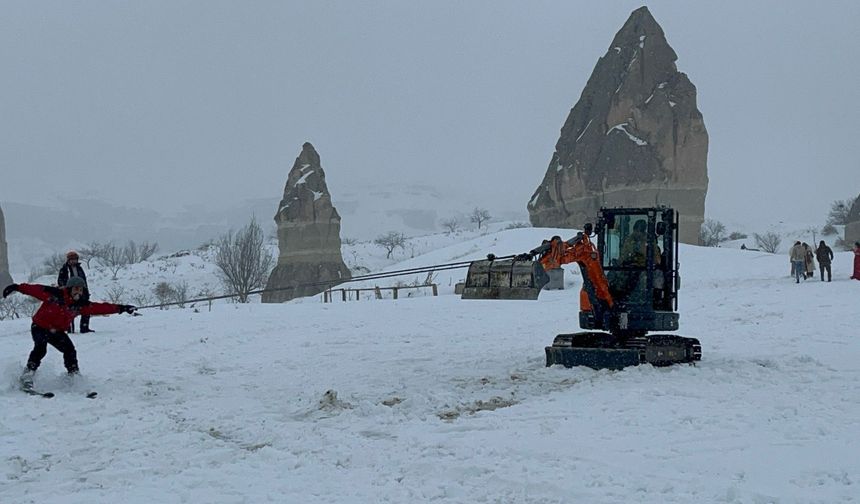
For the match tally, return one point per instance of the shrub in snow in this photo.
(769, 242)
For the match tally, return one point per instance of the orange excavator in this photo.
(630, 285)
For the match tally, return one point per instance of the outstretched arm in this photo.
(106, 309)
(40, 292)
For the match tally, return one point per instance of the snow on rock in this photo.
(304, 178)
(623, 127)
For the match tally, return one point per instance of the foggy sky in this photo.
(161, 104)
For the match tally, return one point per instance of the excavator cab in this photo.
(638, 254)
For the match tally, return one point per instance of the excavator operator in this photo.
(633, 252)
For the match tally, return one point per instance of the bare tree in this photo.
(243, 260)
(769, 242)
(146, 250)
(479, 216)
(51, 265)
(451, 225)
(829, 230)
(180, 293)
(712, 233)
(135, 253)
(93, 250)
(114, 259)
(130, 252)
(116, 293)
(15, 307)
(141, 299)
(391, 241)
(839, 210)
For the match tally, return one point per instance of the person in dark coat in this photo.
(824, 254)
(60, 306)
(72, 268)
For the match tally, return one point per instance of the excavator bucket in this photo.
(504, 279)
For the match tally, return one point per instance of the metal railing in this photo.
(328, 295)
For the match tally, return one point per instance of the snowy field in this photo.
(436, 399)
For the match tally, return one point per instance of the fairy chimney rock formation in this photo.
(5, 277)
(634, 138)
(308, 234)
(852, 226)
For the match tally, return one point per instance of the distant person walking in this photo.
(824, 254)
(856, 275)
(797, 256)
(72, 268)
(809, 261)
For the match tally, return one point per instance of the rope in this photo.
(332, 283)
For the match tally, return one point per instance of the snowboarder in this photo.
(59, 308)
(72, 268)
(824, 254)
(856, 275)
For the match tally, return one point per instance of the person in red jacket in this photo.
(60, 306)
(856, 275)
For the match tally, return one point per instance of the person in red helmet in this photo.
(60, 306)
(72, 268)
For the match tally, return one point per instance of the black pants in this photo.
(58, 340)
(821, 267)
(85, 319)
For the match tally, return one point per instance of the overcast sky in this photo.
(163, 103)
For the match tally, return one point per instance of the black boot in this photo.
(27, 376)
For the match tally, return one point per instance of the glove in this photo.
(127, 308)
(524, 257)
(10, 289)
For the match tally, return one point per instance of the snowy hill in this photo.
(444, 400)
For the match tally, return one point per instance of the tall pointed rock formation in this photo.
(308, 233)
(5, 277)
(634, 138)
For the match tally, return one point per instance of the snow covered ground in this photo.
(436, 399)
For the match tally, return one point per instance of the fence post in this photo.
(395, 292)
(435, 290)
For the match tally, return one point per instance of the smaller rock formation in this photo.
(852, 226)
(308, 234)
(5, 277)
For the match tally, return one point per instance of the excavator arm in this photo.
(595, 294)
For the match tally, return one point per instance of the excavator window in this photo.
(637, 249)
